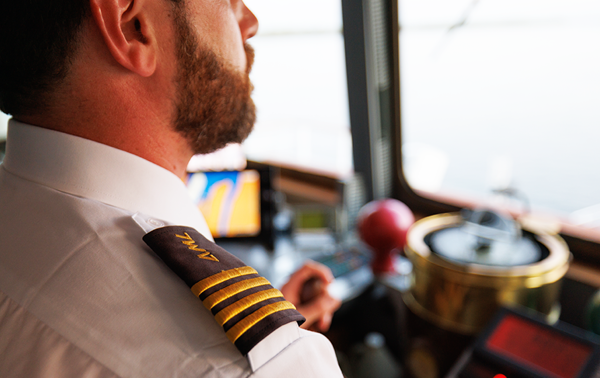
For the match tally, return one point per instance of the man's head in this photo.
(204, 80)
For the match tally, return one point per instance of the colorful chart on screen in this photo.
(229, 201)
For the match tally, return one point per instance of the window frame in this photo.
(584, 244)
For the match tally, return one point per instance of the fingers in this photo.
(293, 288)
(315, 269)
(319, 312)
(312, 269)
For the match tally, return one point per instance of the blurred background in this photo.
(494, 95)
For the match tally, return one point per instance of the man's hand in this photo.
(319, 310)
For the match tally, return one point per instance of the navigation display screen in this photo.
(229, 201)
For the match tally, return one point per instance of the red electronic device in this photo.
(520, 345)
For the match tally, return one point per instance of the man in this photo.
(122, 93)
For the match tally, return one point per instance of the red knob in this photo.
(383, 226)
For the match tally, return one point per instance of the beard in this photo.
(213, 105)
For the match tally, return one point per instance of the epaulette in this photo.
(242, 302)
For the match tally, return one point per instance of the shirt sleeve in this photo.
(309, 355)
(255, 317)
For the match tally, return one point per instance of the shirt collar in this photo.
(88, 169)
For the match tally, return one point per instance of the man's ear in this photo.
(125, 27)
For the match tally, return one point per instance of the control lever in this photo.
(383, 225)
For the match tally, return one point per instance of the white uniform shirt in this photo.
(81, 295)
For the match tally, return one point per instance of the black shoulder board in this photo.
(242, 302)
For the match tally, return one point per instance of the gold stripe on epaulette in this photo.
(231, 290)
(216, 279)
(232, 310)
(251, 320)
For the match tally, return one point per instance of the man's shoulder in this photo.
(82, 269)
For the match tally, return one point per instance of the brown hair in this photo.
(37, 41)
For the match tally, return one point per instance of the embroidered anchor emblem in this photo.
(194, 247)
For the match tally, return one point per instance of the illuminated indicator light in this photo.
(499, 376)
(539, 348)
